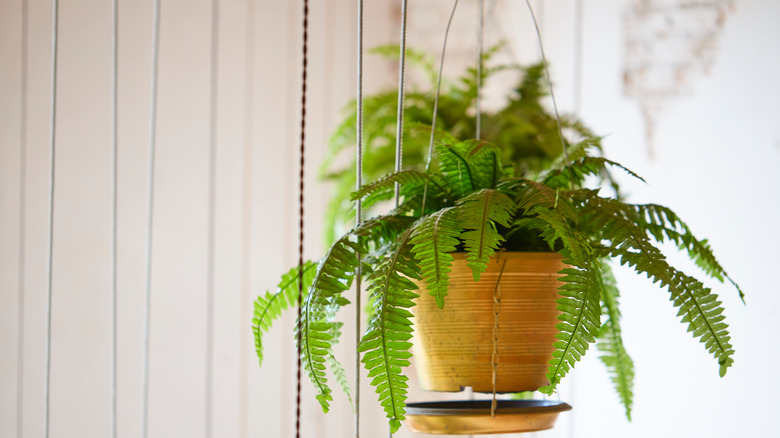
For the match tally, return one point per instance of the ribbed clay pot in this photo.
(454, 345)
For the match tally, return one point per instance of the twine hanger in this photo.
(496, 329)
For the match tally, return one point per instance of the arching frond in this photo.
(485, 160)
(434, 238)
(402, 177)
(385, 344)
(383, 230)
(270, 306)
(545, 204)
(664, 225)
(580, 317)
(318, 331)
(614, 356)
(581, 168)
(478, 214)
(629, 243)
(335, 367)
(455, 167)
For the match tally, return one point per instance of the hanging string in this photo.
(300, 207)
(114, 205)
(246, 216)
(149, 217)
(478, 130)
(496, 329)
(549, 83)
(436, 106)
(399, 133)
(577, 92)
(213, 102)
(480, 23)
(358, 206)
(22, 224)
(50, 237)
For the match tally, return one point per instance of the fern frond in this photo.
(614, 356)
(580, 318)
(470, 165)
(335, 367)
(318, 331)
(699, 307)
(270, 306)
(581, 168)
(538, 200)
(402, 177)
(664, 225)
(434, 238)
(455, 167)
(385, 344)
(478, 213)
(485, 160)
(383, 230)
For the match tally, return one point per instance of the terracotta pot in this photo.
(454, 345)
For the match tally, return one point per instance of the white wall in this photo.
(716, 152)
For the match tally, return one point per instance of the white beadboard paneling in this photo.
(727, 112)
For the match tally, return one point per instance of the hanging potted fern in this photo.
(475, 222)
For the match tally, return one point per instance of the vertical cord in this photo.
(496, 329)
(436, 106)
(246, 216)
(211, 231)
(359, 206)
(300, 208)
(480, 23)
(549, 83)
(578, 48)
(577, 55)
(399, 133)
(114, 202)
(50, 237)
(150, 215)
(478, 130)
(22, 224)
(478, 135)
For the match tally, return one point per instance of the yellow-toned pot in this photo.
(454, 345)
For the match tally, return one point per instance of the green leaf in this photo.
(614, 356)
(318, 330)
(270, 306)
(580, 315)
(664, 225)
(388, 181)
(478, 213)
(384, 345)
(581, 168)
(434, 238)
(629, 243)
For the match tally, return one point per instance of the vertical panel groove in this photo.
(150, 216)
(50, 237)
(114, 202)
(213, 104)
(246, 216)
(22, 223)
